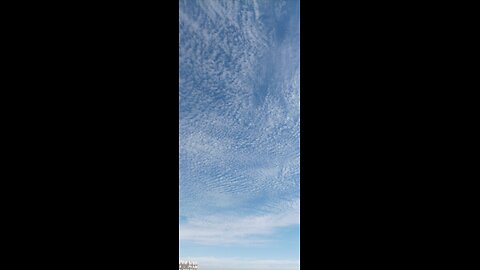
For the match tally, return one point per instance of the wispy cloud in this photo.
(239, 120)
(230, 229)
(239, 98)
(214, 263)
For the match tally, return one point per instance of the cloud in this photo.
(231, 229)
(239, 120)
(212, 263)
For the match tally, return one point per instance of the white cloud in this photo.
(252, 229)
(239, 122)
(211, 263)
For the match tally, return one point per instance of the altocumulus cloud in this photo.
(239, 122)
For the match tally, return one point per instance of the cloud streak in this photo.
(212, 263)
(234, 229)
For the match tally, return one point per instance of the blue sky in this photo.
(239, 134)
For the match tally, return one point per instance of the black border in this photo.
(106, 172)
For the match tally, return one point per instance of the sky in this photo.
(239, 134)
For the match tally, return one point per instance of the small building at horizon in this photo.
(187, 265)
